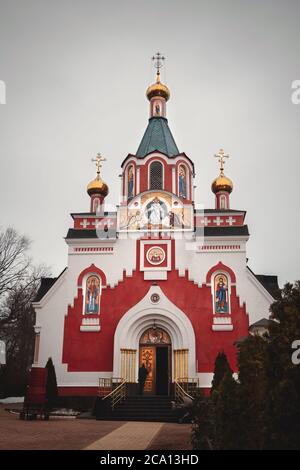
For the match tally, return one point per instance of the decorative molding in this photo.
(220, 267)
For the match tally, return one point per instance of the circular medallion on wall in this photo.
(155, 255)
(155, 298)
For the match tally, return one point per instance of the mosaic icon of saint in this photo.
(130, 182)
(92, 295)
(221, 291)
(182, 182)
(156, 211)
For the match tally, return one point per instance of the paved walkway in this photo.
(63, 434)
(131, 436)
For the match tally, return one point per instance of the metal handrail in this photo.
(107, 382)
(117, 395)
(189, 383)
(180, 393)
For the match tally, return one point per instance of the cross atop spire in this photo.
(158, 60)
(98, 160)
(221, 156)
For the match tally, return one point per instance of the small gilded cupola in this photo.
(97, 189)
(222, 186)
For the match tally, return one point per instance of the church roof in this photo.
(241, 230)
(157, 137)
(269, 282)
(45, 286)
(263, 322)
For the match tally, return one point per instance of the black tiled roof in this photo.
(45, 286)
(270, 283)
(86, 233)
(92, 214)
(263, 322)
(239, 230)
(218, 211)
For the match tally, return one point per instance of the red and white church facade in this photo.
(156, 281)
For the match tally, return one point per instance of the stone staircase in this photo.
(144, 408)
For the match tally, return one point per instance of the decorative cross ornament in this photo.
(84, 223)
(230, 220)
(99, 159)
(221, 156)
(218, 221)
(158, 61)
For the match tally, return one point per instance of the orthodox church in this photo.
(157, 281)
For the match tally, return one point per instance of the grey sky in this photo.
(76, 74)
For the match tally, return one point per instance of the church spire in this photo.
(222, 186)
(97, 189)
(158, 135)
(158, 93)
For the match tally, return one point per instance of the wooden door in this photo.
(147, 357)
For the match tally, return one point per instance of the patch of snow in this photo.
(64, 412)
(12, 400)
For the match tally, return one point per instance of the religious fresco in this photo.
(221, 294)
(130, 183)
(156, 210)
(182, 181)
(92, 295)
(155, 336)
(155, 255)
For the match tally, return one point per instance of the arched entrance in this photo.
(155, 354)
(144, 315)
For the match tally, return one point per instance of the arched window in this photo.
(156, 175)
(182, 181)
(96, 204)
(92, 295)
(130, 182)
(221, 293)
(223, 202)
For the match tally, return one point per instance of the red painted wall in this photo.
(93, 351)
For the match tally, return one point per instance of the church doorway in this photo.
(155, 354)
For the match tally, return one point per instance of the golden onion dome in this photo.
(158, 89)
(222, 183)
(97, 186)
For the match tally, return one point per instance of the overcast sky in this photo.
(76, 72)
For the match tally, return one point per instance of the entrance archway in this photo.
(142, 316)
(155, 354)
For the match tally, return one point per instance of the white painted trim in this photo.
(167, 316)
(89, 328)
(168, 160)
(222, 327)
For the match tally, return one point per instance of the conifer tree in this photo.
(221, 368)
(51, 384)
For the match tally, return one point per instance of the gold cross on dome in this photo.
(221, 156)
(99, 159)
(158, 59)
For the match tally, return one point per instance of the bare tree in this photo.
(19, 282)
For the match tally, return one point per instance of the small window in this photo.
(156, 175)
(223, 202)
